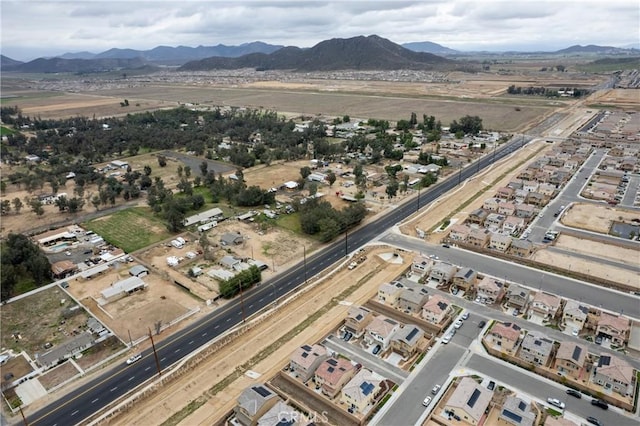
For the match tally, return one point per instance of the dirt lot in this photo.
(162, 301)
(596, 218)
(58, 375)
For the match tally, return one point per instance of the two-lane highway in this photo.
(118, 382)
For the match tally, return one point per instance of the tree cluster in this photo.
(542, 91)
(23, 265)
(468, 125)
(242, 280)
(319, 218)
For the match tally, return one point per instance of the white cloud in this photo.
(32, 28)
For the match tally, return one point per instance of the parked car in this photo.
(465, 316)
(556, 403)
(457, 324)
(482, 324)
(515, 313)
(436, 389)
(134, 358)
(598, 340)
(594, 421)
(446, 338)
(491, 385)
(426, 401)
(600, 403)
(347, 336)
(376, 350)
(574, 393)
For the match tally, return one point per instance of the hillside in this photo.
(55, 65)
(357, 53)
(430, 47)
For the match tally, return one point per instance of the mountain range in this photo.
(361, 53)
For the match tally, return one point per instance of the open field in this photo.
(29, 323)
(130, 229)
(596, 217)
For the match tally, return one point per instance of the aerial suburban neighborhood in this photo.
(435, 241)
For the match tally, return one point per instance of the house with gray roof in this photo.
(406, 340)
(465, 278)
(231, 239)
(253, 403)
(517, 412)
(65, 350)
(442, 272)
(281, 414)
(469, 401)
(536, 350)
(138, 271)
(361, 390)
(411, 300)
(518, 297)
(357, 319)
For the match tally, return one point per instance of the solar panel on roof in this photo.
(577, 351)
(359, 317)
(473, 398)
(522, 406)
(604, 360)
(513, 416)
(332, 361)
(305, 354)
(330, 369)
(366, 387)
(306, 347)
(262, 391)
(412, 334)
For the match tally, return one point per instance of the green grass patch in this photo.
(130, 229)
(291, 222)
(4, 131)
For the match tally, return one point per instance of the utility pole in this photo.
(418, 208)
(155, 354)
(24, 419)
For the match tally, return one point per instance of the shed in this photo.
(138, 271)
(123, 288)
(231, 238)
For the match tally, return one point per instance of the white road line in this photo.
(176, 351)
(228, 319)
(216, 327)
(204, 334)
(74, 413)
(131, 378)
(95, 400)
(261, 300)
(250, 306)
(191, 342)
(147, 369)
(163, 359)
(112, 389)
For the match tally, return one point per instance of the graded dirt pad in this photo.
(198, 381)
(58, 375)
(596, 217)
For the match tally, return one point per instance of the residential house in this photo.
(490, 289)
(530, 186)
(421, 265)
(536, 350)
(253, 403)
(459, 232)
(465, 279)
(479, 237)
(477, 217)
(491, 204)
(436, 309)
(380, 330)
(559, 177)
(229, 262)
(545, 305)
(512, 225)
(411, 300)
(138, 271)
(518, 297)
(548, 190)
(281, 414)
(505, 193)
(614, 374)
(469, 401)
(574, 315)
(613, 327)
(504, 336)
(357, 319)
(516, 412)
(64, 350)
(507, 208)
(231, 239)
(628, 164)
(500, 242)
(360, 391)
(406, 341)
(494, 221)
(333, 373)
(442, 272)
(306, 359)
(570, 359)
(522, 248)
(526, 211)
(536, 199)
(388, 293)
(515, 185)
(520, 196)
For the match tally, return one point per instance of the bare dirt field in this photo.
(596, 218)
(622, 98)
(162, 301)
(58, 375)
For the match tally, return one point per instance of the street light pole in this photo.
(304, 254)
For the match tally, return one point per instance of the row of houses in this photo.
(566, 358)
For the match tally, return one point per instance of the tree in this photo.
(147, 170)
(180, 170)
(17, 205)
(413, 120)
(174, 214)
(204, 167)
(331, 178)
(36, 207)
(392, 188)
(162, 160)
(346, 119)
(62, 203)
(5, 207)
(305, 172)
(95, 201)
(187, 171)
(22, 262)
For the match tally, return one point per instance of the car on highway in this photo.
(600, 403)
(436, 389)
(457, 324)
(134, 358)
(574, 393)
(556, 403)
(426, 401)
(594, 421)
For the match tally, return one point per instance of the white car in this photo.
(426, 401)
(134, 359)
(436, 389)
(556, 403)
(457, 324)
(446, 338)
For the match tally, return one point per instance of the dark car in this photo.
(594, 421)
(376, 349)
(491, 385)
(482, 324)
(574, 392)
(600, 403)
(347, 336)
(598, 340)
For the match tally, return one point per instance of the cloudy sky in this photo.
(32, 28)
